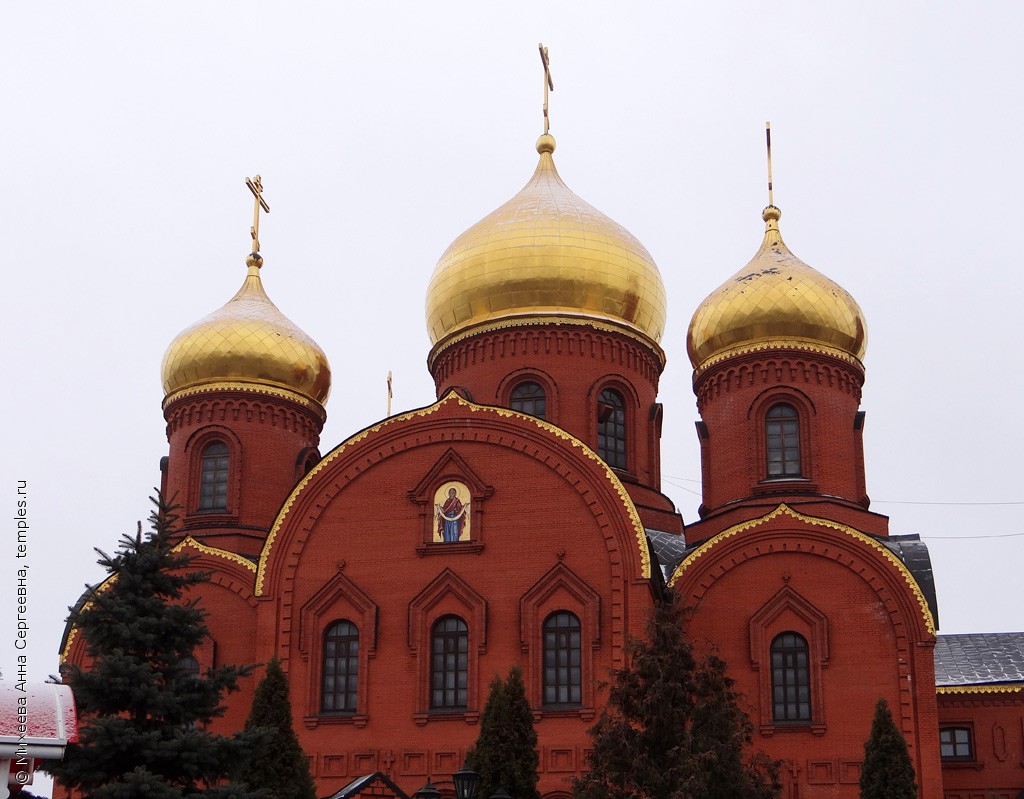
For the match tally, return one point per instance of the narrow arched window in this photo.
(562, 657)
(449, 663)
(213, 478)
(340, 679)
(791, 679)
(529, 397)
(782, 441)
(611, 428)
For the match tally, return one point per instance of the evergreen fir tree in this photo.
(142, 710)
(888, 772)
(278, 765)
(672, 728)
(505, 754)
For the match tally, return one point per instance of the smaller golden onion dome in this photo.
(545, 254)
(248, 341)
(776, 299)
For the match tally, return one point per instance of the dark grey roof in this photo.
(914, 553)
(669, 549)
(979, 659)
(360, 784)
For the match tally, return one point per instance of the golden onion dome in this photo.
(545, 254)
(247, 342)
(776, 299)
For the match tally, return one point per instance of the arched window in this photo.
(449, 663)
(213, 478)
(611, 428)
(189, 667)
(529, 397)
(791, 679)
(340, 676)
(782, 441)
(562, 657)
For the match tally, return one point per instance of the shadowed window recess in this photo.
(791, 679)
(782, 441)
(529, 397)
(213, 479)
(611, 428)
(449, 664)
(340, 668)
(562, 659)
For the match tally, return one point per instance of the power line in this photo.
(671, 478)
(968, 537)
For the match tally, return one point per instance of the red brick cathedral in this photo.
(526, 524)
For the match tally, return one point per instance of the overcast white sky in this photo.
(384, 129)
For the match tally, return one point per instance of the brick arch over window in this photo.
(788, 613)
(560, 590)
(215, 469)
(516, 383)
(338, 599)
(782, 429)
(446, 595)
(529, 397)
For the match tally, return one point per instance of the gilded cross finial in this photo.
(548, 84)
(256, 187)
(768, 139)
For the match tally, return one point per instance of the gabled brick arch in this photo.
(447, 594)
(788, 611)
(339, 598)
(560, 589)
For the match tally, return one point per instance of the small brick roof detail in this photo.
(979, 659)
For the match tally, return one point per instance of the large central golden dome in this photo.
(247, 342)
(545, 253)
(776, 300)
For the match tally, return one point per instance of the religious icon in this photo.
(451, 513)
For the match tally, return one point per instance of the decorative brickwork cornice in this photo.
(561, 338)
(191, 409)
(315, 409)
(791, 366)
(774, 346)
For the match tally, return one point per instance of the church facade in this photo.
(527, 524)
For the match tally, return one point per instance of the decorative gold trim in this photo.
(187, 541)
(255, 388)
(776, 344)
(85, 606)
(215, 552)
(979, 689)
(527, 320)
(451, 396)
(706, 547)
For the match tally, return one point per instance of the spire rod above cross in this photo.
(256, 187)
(548, 84)
(768, 139)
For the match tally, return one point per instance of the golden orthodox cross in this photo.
(547, 83)
(768, 138)
(256, 187)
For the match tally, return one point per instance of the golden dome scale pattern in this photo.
(247, 341)
(776, 299)
(545, 253)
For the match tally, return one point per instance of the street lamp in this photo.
(428, 791)
(467, 783)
